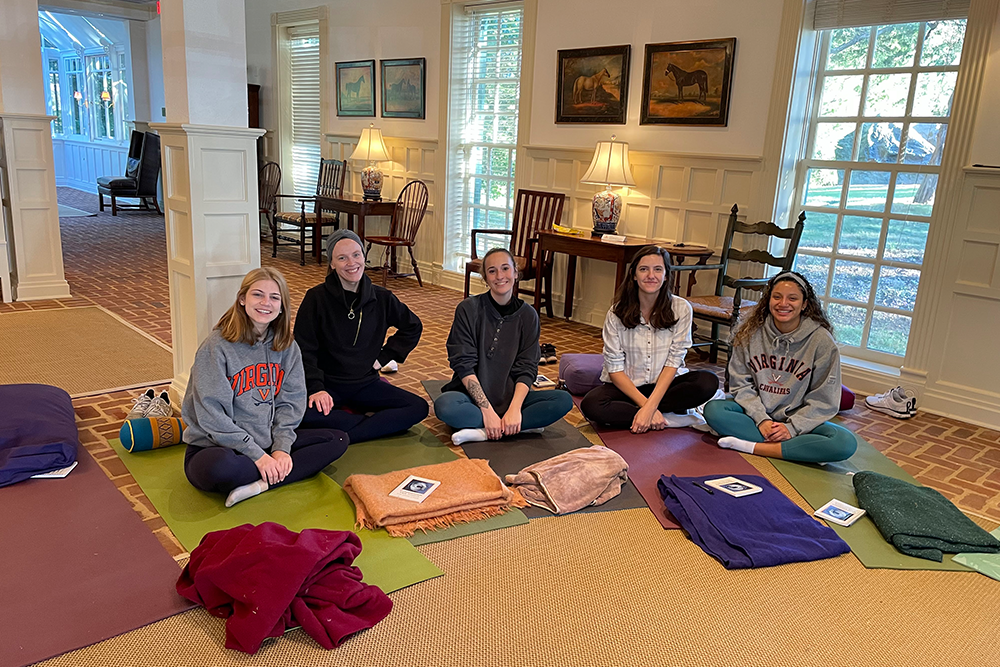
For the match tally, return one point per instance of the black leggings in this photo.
(392, 410)
(609, 405)
(220, 469)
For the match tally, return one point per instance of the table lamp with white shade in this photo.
(371, 149)
(609, 167)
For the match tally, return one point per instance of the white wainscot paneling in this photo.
(412, 160)
(677, 198)
(78, 164)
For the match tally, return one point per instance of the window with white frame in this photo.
(485, 86)
(86, 76)
(880, 117)
(53, 94)
(302, 44)
(75, 89)
(101, 96)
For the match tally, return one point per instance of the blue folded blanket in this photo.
(761, 530)
(37, 431)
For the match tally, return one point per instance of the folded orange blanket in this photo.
(469, 491)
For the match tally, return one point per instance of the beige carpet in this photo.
(83, 350)
(613, 588)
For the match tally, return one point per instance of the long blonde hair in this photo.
(237, 327)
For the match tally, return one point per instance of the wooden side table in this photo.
(679, 252)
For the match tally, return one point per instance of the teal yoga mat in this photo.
(416, 447)
(318, 502)
(820, 484)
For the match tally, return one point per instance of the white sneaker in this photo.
(159, 406)
(896, 402)
(141, 404)
(391, 367)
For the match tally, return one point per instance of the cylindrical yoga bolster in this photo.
(139, 435)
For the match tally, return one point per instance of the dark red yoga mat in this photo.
(77, 566)
(674, 451)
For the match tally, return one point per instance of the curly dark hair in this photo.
(627, 295)
(812, 308)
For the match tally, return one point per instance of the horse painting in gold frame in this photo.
(592, 85)
(687, 83)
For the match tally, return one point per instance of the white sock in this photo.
(469, 435)
(740, 445)
(678, 421)
(246, 491)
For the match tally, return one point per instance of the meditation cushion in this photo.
(140, 435)
(37, 431)
(582, 372)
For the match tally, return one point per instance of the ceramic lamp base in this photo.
(607, 209)
(371, 182)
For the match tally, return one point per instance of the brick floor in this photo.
(120, 264)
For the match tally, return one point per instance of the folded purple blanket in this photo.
(37, 431)
(761, 530)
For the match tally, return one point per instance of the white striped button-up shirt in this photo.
(642, 352)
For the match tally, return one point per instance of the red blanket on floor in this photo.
(265, 579)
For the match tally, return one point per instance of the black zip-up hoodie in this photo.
(341, 333)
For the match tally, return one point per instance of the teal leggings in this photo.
(825, 443)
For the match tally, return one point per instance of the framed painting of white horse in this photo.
(356, 88)
(592, 85)
(687, 83)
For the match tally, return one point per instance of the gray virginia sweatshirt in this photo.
(791, 378)
(245, 397)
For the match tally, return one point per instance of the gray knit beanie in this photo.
(340, 235)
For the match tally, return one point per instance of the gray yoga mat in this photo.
(511, 455)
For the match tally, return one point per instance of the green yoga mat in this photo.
(820, 484)
(988, 564)
(317, 502)
(416, 447)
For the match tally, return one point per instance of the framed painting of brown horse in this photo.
(592, 85)
(687, 83)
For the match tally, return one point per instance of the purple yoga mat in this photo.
(77, 566)
(674, 451)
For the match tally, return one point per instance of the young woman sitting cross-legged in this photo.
(647, 334)
(341, 327)
(493, 351)
(784, 372)
(245, 399)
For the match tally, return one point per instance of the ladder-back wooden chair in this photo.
(411, 205)
(534, 211)
(725, 308)
(268, 182)
(295, 228)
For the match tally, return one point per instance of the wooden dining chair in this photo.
(730, 300)
(296, 228)
(534, 211)
(268, 182)
(411, 205)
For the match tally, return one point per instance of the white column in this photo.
(209, 169)
(31, 265)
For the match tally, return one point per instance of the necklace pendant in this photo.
(351, 315)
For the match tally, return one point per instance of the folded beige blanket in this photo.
(469, 491)
(573, 480)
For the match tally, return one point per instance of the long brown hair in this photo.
(627, 296)
(811, 308)
(237, 327)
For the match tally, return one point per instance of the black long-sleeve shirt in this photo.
(499, 351)
(341, 333)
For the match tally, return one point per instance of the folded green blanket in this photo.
(919, 521)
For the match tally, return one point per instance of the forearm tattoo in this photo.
(477, 395)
